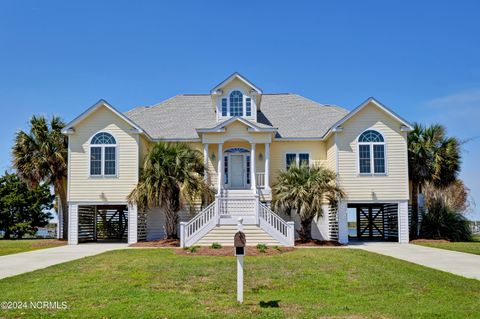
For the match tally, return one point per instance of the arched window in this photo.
(236, 103)
(103, 155)
(371, 153)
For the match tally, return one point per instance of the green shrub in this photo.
(262, 248)
(277, 248)
(440, 222)
(216, 246)
(192, 249)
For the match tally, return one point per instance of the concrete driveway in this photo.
(458, 263)
(16, 264)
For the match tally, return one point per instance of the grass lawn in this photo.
(305, 283)
(472, 247)
(13, 246)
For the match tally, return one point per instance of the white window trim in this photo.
(102, 146)
(253, 103)
(297, 157)
(372, 159)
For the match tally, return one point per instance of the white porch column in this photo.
(132, 224)
(342, 222)
(205, 162)
(403, 227)
(267, 167)
(253, 181)
(60, 222)
(220, 168)
(73, 225)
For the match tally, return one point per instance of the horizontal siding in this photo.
(391, 187)
(278, 150)
(277, 155)
(156, 222)
(331, 162)
(82, 187)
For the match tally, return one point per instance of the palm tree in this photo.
(432, 157)
(304, 189)
(172, 175)
(40, 156)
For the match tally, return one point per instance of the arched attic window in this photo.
(371, 153)
(103, 155)
(236, 103)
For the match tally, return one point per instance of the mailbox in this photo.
(239, 242)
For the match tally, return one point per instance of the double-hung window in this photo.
(224, 106)
(297, 159)
(371, 153)
(103, 155)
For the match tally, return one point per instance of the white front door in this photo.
(236, 171)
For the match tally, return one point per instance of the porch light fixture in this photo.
(260, 156)
(213, 157)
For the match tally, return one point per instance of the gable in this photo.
(373, 103)
(370, 117)
(237, 131)
(236, 79)
(100, 107)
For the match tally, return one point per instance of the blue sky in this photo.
(420, 58)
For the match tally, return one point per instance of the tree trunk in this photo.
(305, 231)
(171, 221)
(414, 225)
(7, 234)
(60, 190)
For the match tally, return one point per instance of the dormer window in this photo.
(236, 103)
(236, 96)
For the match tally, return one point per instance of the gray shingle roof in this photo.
(294, 116)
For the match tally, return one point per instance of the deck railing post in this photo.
(257, 209)
(182, 234)
(291, 233)
(217, 209)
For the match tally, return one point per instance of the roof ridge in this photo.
(164, 101)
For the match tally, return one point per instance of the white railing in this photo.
(198, 226)
(226, 209)
(237, 206)
(260, 179)
(273, 224)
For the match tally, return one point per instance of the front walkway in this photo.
(16, 264)
(458, 263)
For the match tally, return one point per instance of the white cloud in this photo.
(464, 99)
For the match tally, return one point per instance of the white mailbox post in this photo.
(239, 241)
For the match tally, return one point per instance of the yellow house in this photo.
(247, 138)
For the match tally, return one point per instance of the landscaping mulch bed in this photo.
(228, 251)
(158, 243)
(429, 241)
(316, 242)
(49, 242)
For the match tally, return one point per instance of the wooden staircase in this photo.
(217, 223)
(224, 236)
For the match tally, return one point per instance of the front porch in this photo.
(238, 165)
(239, 169)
